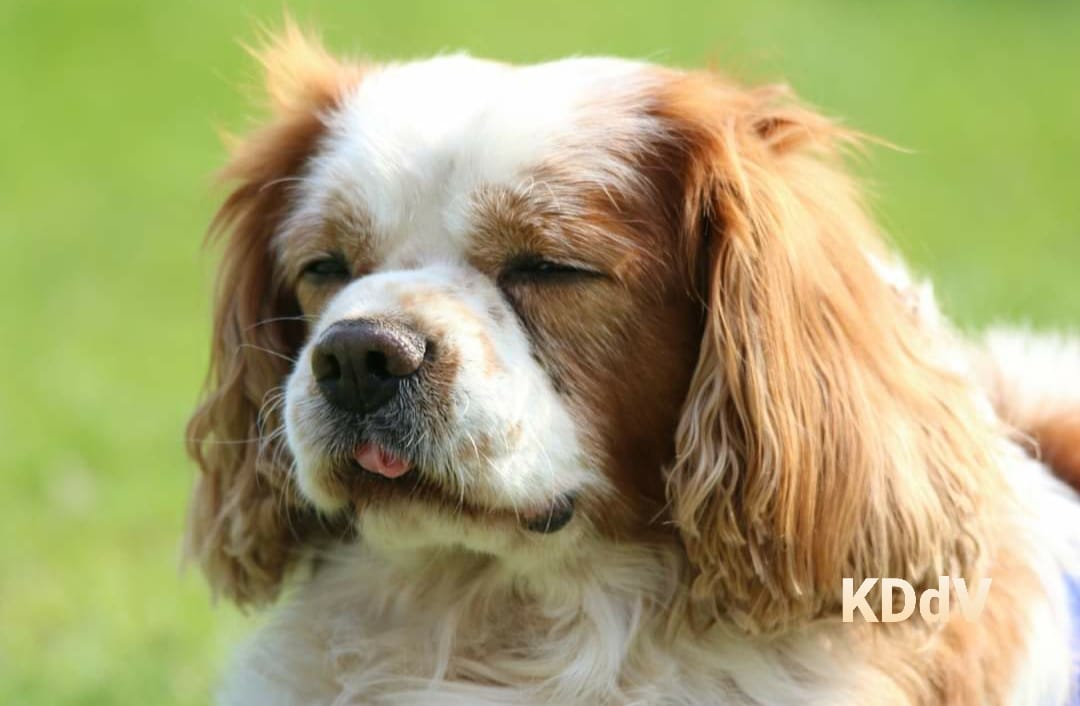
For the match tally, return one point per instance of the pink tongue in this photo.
(376, 459)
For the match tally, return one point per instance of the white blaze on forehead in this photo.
(413, 141)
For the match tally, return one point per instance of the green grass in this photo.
(107, 141)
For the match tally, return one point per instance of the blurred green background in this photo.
(108, 137)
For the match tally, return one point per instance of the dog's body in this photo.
(379, 627)
(588, 383)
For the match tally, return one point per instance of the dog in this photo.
(590, 382)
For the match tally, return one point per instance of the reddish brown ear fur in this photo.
(1058, 440)
(820, 438)
(245, 520)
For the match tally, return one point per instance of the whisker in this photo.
(268, 351)
(301, 317)
(225, 442)
(282, 180)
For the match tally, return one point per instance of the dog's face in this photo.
(499, 338)
(534, 310)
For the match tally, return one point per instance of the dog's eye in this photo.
(533, 268)
(332, 267)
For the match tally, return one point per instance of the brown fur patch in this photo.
(820, 438)
(246, 520)
(1058, 439)
(620, 347)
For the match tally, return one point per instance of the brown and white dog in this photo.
(590, 382)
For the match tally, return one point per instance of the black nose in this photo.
(359, 364)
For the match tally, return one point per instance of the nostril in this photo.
(376, 364)
(325, 366)
(359, 364)
(403, 352)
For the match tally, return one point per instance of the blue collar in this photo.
(1072, 588)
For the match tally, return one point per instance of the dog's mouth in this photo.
(375, 458)
(376, 475)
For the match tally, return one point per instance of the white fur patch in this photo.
(414, 141)
(1034, 376)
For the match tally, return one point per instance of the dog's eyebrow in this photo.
(303, 235)
(546, 216)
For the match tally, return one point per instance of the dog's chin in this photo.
(399, 528)
(417, 511)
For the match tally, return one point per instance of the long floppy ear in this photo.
(823, 436)
(245, 522)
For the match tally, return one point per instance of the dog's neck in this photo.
(455, 578)
(606, 630)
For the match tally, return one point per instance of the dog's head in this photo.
(527, 310)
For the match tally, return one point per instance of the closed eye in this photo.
(331, 268)
(527, 269)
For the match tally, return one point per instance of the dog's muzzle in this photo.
(359, 364)
(360, 367)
